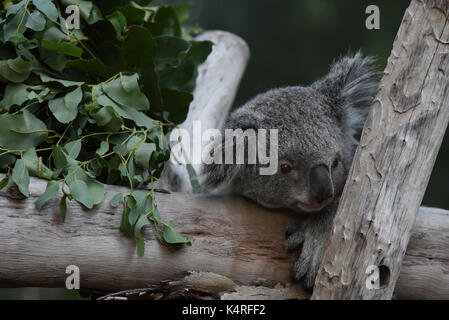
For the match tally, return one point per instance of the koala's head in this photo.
(315, 126)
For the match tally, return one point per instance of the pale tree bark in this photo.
(217, 84)
(393, 163)
(237, 253)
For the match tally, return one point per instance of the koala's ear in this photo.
(245, 117)
(349, 88)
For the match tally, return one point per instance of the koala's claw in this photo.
(312, 235)
(300, 268)
(306, 268)
(293, 227)
(294, 240)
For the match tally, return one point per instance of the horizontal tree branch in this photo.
(239, 242)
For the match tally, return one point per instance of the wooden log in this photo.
(393, 163)
(428, 255)
(218, 80)
(239, 242)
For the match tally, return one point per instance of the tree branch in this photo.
(237, 241)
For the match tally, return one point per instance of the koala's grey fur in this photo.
(316, 126)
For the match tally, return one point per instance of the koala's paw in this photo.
(312, 236)
(309, 262)
(294, 235)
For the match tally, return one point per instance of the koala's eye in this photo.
(285, 168)
(335, 163)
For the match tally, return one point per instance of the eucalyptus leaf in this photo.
(143, 154)
(96, 189)
(118, 21)
(21, 131)
(170, 47)
(143, 221)
(21, 177)
(104, 147)
(172, 236)
(60, 157)
(132, 168)
(176, 103)
(166, 23)
(125, 226)
(133, 15)
(121, 150)
(53, 58)
(63, 207)
(54, 34)
(15, 8)
(15, 94)
(123, 170)
(87, 191)
(116, 200)
(63, 48)
(15, 26)
(94, 66)
(143, 206)
(79, 191)
(95, 15)
(65, 109)
(126, 92)
(127, 112)
(50, 192)
(106, 117)
(101, 162)
(35, 165)
(181, 77)
(140, 48)
(4, 182)
(47, 7)
(6, 160)
(36, 21)
(134, 142)
(66, 83)
(73, 148)
(15, 70)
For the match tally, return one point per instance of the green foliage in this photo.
(21, 131)
(50, 192)
(4, 182)
(21, 177)
(82, 108)
(116, 200)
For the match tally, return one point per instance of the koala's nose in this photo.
(321, 188)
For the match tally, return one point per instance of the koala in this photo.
(316, 127)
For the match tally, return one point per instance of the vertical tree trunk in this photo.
(393, 163)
